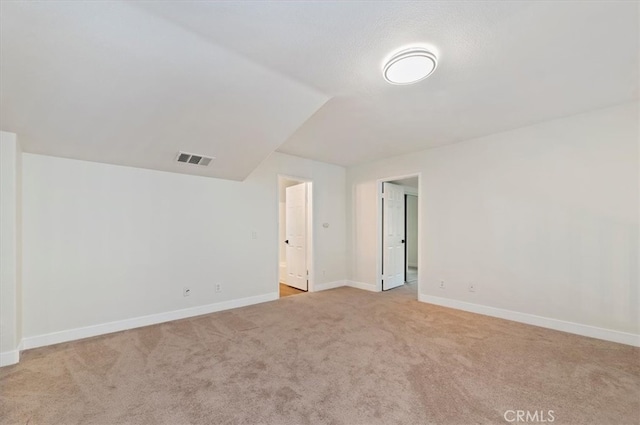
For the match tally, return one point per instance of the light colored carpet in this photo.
(343, 356)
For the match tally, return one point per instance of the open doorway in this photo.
(411, 233)
(295, 235)
(398, 234)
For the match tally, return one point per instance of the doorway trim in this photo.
(379, 224)
(310, 245)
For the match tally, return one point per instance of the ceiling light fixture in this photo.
(409, 66)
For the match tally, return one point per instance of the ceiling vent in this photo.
(191, 158)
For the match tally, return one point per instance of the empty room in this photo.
(319, 212)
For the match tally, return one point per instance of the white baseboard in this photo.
(361, 285)
(531, 319)
(328, 285)
(8, 358)
(137, 322)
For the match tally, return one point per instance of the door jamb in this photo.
(406, 240)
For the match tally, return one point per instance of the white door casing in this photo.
(296, 234)
(393, 266)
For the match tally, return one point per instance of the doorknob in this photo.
(403, 241)
(287, 241)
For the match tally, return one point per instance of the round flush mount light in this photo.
(409, 66)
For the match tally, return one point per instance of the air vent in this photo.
(190, 158)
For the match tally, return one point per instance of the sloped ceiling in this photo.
(133, 83)
(107, 82)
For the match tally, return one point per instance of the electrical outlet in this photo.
(472, 287)
(218, 287)
(442, 284)
(254, 234)
(186, 291)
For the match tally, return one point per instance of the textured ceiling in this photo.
(237, 80)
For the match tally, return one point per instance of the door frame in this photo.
(310, 248)
(406, 239)
(379, 224)
(390, 201)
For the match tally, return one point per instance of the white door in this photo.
(392, 236)
(296, 234)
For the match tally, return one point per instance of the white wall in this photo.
(543, 220)
(105, 243)
(10, 249)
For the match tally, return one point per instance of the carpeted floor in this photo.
(343, 356)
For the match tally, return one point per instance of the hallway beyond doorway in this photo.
(286, 290)
(412, 274)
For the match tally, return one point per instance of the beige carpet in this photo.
(343, 356)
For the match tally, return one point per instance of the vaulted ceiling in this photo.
(133, 83)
